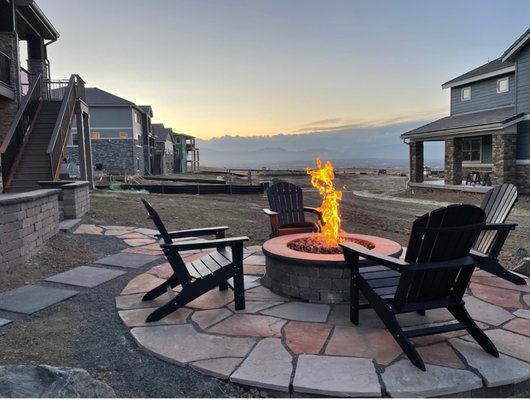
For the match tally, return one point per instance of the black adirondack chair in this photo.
(287, 209)
(202, 275)
(434, 274)
(497, 204)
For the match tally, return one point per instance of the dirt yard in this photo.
(67, 334)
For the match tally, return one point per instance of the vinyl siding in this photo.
(484, 96)
(523, 80)
(523, 140)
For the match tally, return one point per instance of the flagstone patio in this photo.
(296, 347)
(299, 348)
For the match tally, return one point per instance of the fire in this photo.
(322, 179)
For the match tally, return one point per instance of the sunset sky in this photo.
(240, 67)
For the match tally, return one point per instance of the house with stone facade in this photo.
(488, 129)
(121, 135)
(36, 111)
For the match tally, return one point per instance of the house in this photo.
(165, 150)
(488, 129)
(121, 136)
(192, 154)
(181, 158)
(36, 112)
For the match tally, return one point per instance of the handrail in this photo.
(24, 118)
(61, 128)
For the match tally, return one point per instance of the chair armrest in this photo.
(499, 227)
(204, 244)
(195, 232)
(387, 261)
(493, 266)
(314, 210)
(269, 212)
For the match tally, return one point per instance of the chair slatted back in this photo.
(444, 234)
(287, 200)
(497, 204)
(176, 261)
(158, 222)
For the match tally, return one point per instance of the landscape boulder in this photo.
(46, 381)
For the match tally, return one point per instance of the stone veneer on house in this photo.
(28, 221)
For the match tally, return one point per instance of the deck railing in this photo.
(20, 127)
(69, 93)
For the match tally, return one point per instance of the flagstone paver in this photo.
(412, 319)
(498, 296)
(212, 299)
(136, 235)
(510, 343)
(269, 366)
(249, 325)
(221, 368)
(138, 242)
(85, 276)
(501, 283)
(250, 281)
(336, 376)
(110, 232)
(127, 260)
(403, 379)
(89, 229)
(207, 318)
(32, 298)
(361, 342)
(495, 371)
(137, 317)
(526, 299)
(134, 301)
(150, 250)
(485, 312)
(522, 314)
(519, 325)
(142, 283)
(162, 271)
(4, 321)
(251, 269)
(181, 344)
(306, 337)
(252, 307)
(440, 354)
(261, 293)
(297, 311)
(255, 260)
(147, 231)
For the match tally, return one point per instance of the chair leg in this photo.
(461, 315)
(239, 277)
(161, 289)
(183, 298)
(354, 296)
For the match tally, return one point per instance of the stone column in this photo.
(504, 156)
(453, 161)
(416, 161)
(9, 107)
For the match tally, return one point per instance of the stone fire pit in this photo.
(313, 277)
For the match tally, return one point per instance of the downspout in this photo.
(48, 68)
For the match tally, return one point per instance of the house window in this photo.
(471, 149)
(503, 85)
(75, 140)
(96, 135)
(137, 117)
(465, 93)
(177, 139)
(177, 152)
(123, 135)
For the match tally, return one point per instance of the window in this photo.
(137, 117)
(471, 149)
(465, 93)
(96, 135)
(75, 140)
(123, 135)
(177, 139)
(503, 85)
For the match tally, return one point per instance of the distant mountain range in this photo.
(375, 147)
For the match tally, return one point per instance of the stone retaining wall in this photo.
(74, 199)
(28, 220)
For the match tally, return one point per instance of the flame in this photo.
(322, 179)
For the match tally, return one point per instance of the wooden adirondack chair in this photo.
(434, 274)
(497, 204)
(202, 275)
(287, 210)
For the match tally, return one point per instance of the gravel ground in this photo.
(86, 332)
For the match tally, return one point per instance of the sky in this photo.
(211, 68)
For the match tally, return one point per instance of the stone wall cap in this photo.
(76, 184)
(15, 198)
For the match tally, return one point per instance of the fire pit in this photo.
(311, 276)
